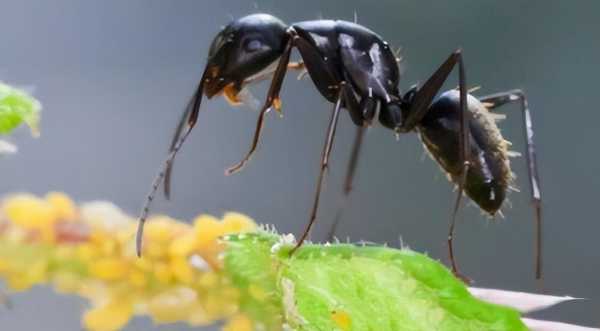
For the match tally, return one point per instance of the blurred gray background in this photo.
(113, 77)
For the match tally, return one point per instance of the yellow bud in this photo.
(66, 282)
(208, 279)
(126, 237)
(177, 279)
(173, 305)
(213, 304)
(47, 233)
(163, 273)
(207, 230)
(198, 316)
(182, 270)
(37, 271)
(183, 246)
(137, 279)
(109, 247)
(4, 266)
(18, 282)
(231, 294)
(237, 223)
(110, 317)
(63, 206)
(143, 263)
(100, 239)
(239, 322)
(29, 211)
(63, 252)
(155, 250)
(96, 290)
(159, 229)
(87, 252)
(25, 279)
(109, 269)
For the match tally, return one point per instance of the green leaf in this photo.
(350, 288)
(18, 107)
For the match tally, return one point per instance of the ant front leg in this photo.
(499, 99)
(272, 100)
(419, 107)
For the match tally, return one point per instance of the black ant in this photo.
(353, 68)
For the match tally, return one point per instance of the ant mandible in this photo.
(353, 68)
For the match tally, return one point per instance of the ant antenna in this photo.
(157, 180)
(190, 115)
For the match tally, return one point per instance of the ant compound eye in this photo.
(253, 45)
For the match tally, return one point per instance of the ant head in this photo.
(242, 49)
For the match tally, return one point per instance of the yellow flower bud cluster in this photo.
(89, 250)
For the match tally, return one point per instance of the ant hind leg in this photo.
(497, 100)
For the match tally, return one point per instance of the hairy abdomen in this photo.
(489, 174)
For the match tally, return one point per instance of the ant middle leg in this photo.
(362, 114)
(324, 164)
(349, 179)
(497, 100)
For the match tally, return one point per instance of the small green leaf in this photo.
(18, 107)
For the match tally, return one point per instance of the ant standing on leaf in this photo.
(355, 69)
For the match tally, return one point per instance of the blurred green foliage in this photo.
(18, 107)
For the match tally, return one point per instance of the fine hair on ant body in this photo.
(355, 69)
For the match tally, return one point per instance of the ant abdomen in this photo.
(489, 174)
